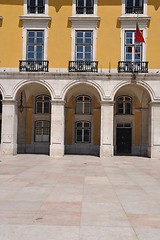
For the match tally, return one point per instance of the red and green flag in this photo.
(139, 36)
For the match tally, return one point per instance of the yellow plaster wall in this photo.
(96, 117)
(108, 38)
(137, 129)
(10, 33)
(97, 120)
(59, 37)
(153, 38)
(29, 121)
(69, 130)
(69, 127)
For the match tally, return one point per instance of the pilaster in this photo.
(106, 145)
(57, 129)
(9, 127)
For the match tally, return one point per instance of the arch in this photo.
(27, 138)
(143, 85)
(23, 84)
(2, 91)
(132, 131)
(86, 112)
(75, 84)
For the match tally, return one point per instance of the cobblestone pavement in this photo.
(79, 198)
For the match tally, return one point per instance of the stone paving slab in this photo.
(79, 198)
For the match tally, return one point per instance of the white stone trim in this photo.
(25, 8)
(73, 41)
(35, 25)
(74, 9)
(84, 21)
(132, 26)
(41, 18)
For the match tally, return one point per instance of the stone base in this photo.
(8, 149)
(154, 151)
(56, 150)
(106, 151)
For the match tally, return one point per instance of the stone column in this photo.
(154, 130)
(106, 144)
(9, 127)
(57, 129)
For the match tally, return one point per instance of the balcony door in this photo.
(133, 49)
(35, 45)
(84, 45)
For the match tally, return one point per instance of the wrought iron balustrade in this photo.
(83, 66)
(139, 67)
(33, 66)
(136, 10)
(84, 10)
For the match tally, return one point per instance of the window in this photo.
(83, 132)
(35, 45)
(134, 6)
(133, 50)
(84, 45)
(124, 105)
(83, 105)
(42, 131)
(43, 104)
(36, 6)
(84, 6)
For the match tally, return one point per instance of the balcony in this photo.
(134, 10)
(83, 66)
(139, 67)
(33, 66)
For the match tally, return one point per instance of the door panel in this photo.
(124, 140)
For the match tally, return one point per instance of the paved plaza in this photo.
(79, 198)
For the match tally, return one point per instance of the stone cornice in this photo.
(84, 20)
(35, 18)
(133, 18)
(27, 76)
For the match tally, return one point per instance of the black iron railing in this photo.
(84, 10)
(33, 66)
(140, 67)
(136, 10)
(83, 66)
(36, 9)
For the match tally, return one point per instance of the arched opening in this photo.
(131, 121)
(0, 116)
(82, 120)
(34, 119)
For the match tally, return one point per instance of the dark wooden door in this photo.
(124, 140)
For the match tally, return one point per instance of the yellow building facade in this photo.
(74, 79)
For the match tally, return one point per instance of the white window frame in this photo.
(83, 102)
(43, 103)
(74, 9)
(41, 138)
(26, 12)
(31, 26)
(144, 8)
(125, 28)
(83, 130)
(124, 101)
(73, 55)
